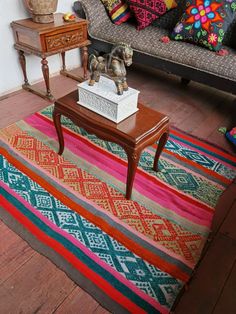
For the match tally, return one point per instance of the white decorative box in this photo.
(103, 99)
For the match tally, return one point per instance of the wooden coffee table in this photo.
(136, 132)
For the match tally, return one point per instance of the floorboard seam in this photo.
(222, 289)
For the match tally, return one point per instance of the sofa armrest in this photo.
(78, 9)
(94, 11)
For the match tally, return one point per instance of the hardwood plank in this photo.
(202, 109)
(209, 279)
(14, 253)
(221, 141)
(221, 107)
(38, 286)
(19, 106)
(228, 228)
(226, 303)
(100, 310)
(25, 103)
(86, 303)
(223, 208)
(59, 85)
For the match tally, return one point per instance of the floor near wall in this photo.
(30, 283)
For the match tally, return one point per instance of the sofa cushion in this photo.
(118, 10)
(146, 11)
(205, 22)
(95, 11)
(148, 42)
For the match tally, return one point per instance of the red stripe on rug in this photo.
(98, 221)
(72, 259)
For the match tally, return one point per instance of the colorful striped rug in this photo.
(132, 256)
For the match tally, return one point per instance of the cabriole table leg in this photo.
(162, 142)
(57, 122)
(133, 160)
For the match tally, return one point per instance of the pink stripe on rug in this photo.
(84, 249)
(166, 198)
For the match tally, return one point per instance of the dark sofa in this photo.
(190, 62)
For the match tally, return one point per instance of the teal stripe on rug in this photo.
(78, 253)
(222, 158)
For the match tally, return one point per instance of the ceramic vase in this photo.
(41, 10)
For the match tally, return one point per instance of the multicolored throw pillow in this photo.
(147, 11)
(205, 22)
(118, 10)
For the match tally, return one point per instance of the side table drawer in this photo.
(66, 39)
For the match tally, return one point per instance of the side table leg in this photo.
(57, 123)
(63, 61)
(23, 66)
(133, 160)
(162, 142)
(45, 71)
(85, 61)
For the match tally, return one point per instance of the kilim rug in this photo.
(132, 256)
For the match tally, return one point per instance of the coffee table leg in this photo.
(162, 142)
(133, 160)
(57, 123)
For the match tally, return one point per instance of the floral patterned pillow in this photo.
(205, 22)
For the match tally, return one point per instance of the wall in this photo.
(11, 77)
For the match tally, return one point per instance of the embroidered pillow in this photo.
(205, 22)
(118, 10)
(146, 11)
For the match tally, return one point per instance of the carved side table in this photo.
(45, 40)
(136, 132)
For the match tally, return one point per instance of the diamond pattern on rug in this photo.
(136, 215)
(139, 272)
(190, 166)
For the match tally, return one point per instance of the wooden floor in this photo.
(30, 283)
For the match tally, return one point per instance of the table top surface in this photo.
(44, 27)
(143, 123)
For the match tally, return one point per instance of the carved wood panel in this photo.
(67, 39)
